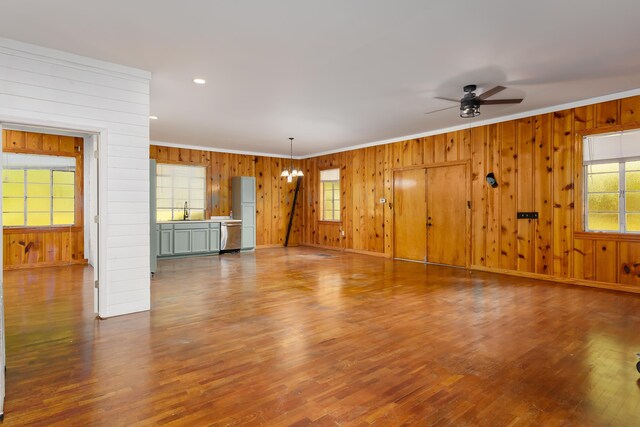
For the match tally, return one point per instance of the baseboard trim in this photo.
(274, 245)
(567, 281)
(327, 247)
(370, 253)
(45, 264)
(347, 250)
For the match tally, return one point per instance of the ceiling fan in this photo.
(470, 102)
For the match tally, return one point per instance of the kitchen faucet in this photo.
(186, 211)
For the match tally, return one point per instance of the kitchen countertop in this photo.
(180, 221)
(222, 219)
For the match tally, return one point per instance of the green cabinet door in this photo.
(200, 240)
(248, 225)
(181, 242)
(248, 189)
(157, 240)
(165, 240)
(214, 240)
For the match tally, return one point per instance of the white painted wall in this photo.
(45, 87)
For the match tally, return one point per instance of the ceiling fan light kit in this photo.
(470, 102)
(469, 105)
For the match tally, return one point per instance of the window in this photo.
(330, 195)
(612, 182)
(38, 191)
(177, 185)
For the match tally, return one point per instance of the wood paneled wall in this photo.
(538, 163)
(26, 247)
(274, 194)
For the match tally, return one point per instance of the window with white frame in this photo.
(330, 195)
(177, 185)
(38, 190)
(612, 182)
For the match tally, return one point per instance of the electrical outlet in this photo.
(527, 215)
(383, 200)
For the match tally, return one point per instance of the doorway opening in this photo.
(49, 211)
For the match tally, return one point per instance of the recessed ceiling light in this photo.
(153, 117)
(199, 81)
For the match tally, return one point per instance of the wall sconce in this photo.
(491, 180)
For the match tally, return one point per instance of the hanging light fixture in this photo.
(291, 172)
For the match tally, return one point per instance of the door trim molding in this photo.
(468, 219)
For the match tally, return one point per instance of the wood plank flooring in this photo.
(302, 336)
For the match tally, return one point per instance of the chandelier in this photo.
(291, 172)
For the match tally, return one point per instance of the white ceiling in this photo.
(339, 73)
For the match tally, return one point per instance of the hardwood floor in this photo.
(300, 336)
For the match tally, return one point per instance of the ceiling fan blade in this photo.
(500, 101)
(491, 92)
(442, 109)
(447, 99)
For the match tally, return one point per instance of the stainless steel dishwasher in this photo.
(230, 235)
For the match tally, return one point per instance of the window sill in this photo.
(603, 235)
(46, 229)
(330, 222)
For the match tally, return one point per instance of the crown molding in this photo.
(223, 150)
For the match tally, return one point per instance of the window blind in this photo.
(611, 147)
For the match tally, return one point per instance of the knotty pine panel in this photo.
(492, 205)
(606, 256)
(478, 196)
(630, 110)
(563, 183)
(629, 263)
(583, 119)
(525, 193)
(507, 188)
(542, 194)
(607, 113)
(583, 259)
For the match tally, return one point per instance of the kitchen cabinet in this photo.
(165, 240)
(243, 204)
(214, 239)
(188, 238)
(248, 211)
(157, 239)
(200, 240)
(181, 242)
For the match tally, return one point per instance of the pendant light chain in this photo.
(291, 158)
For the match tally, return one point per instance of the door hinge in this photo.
(96, 219)
(95, 284)
(95, 154)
